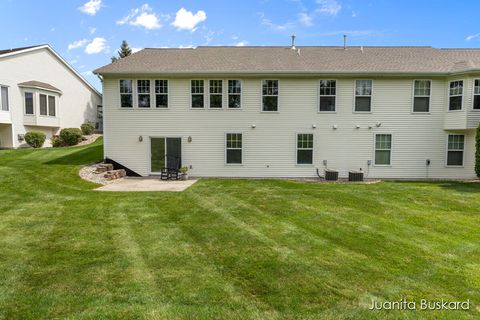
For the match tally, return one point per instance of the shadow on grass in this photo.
(473, 187)
(83, 156)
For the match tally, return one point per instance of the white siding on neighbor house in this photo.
(269, 149)
(76, 105)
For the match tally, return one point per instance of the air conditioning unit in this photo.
(355, 175)
(331, 175)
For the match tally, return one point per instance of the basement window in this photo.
(304, 148)
(216, 94)
(143, 87)
(126, 94)
(197, 92)
(233, 152)
(455, 147)
(455, 95)
(269, 95)
(421, 96)
(328, 91)
(363, 95)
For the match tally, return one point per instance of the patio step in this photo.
(115, 174)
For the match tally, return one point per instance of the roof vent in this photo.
(293, 42)
(344, 42)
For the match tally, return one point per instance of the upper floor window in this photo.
(29, 103)
(421, 96)
(476, 95)
(4, 98)
(47, 105)
(126, 94)
(383, 149)
(161, 93)
(216, 94)
(269, 95)
(234, 94)
(304, 148)
(143, 89)
(363, 95)
(455, 147)
(455, 95)
(328, 91)
(233, 148)
(197, 91)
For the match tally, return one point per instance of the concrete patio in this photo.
(130, 184)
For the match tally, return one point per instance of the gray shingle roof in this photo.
(38, 84)
(211, 60)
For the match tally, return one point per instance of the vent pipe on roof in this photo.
(344, 42)
(293, 42)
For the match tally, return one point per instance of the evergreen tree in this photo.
(124, 51)
(477, 153)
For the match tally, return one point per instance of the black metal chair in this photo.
(171, 173)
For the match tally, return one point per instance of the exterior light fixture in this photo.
(254, 126)
(314, 126)
(370, 127)
(357, 126)
(334, 127)
(140, 138)
(189, 139)
(378, 124)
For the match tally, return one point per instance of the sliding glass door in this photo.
(165, 153)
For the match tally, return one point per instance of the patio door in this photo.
(165, 153)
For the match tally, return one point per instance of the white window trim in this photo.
(355, 96)
(463, 151)
(241, 95)
(8, 98)
(225, 148)
(456, 95)
(153, 106)
(134, 81)
(150, 86)
(319, 97)
(205, 89)
(375, 149)
(473, 95)
(429, 97)
(261, 96)
(34, 103)
(296, 149)
(223, 93)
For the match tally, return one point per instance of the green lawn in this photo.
(241, 249)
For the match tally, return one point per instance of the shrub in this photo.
(70, 136)
(35, 139)
(477, 153)
(56, 142)
(87, 128)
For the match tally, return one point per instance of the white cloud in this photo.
(186, 20)
(270, 24)
(77, 44)
(329, 7)
(142, 17)
(91, 7)
(305, 19)
(241, 43)
(96, 46)
(92, 30)
(87, 73)
(472, 37)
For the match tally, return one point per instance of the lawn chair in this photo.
(171, 173)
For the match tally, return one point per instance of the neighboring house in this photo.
(40, 91)
(394, 112)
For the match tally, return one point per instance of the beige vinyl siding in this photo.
(269, 149)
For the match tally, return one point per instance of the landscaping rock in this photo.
(115, 174)
(104, 167)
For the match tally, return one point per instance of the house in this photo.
(393, 112)
(40, 91)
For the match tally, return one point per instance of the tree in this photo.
(124, 51)
(477, 153)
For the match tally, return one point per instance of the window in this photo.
(269, 95)
(383, 149)
(456, 95)
(143, 87)
(51, 106)
(304, 148)
(43, 105)
(197, 91)
(327, 95)
(476, 95)
(234, 94)
(216, 94)
(421, 96)
(28, 103)
(126, 94)
(234, 148)
(363, 95)
(4, 100)
(456, 144)
(161, 93)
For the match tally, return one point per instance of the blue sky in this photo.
(88, 32)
